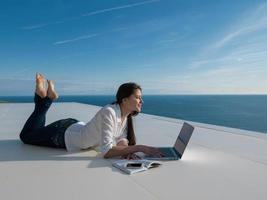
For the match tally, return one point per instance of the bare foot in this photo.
(40, 85)
(51, 92)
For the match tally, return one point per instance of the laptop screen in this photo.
(183, 138)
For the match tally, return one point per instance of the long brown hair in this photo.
(126, 90)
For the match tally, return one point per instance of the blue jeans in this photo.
(35, 132)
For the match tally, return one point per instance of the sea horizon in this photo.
(248, 112)
(219, 94)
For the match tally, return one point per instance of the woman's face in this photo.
(134, 102)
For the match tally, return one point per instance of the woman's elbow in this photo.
(107, 155)
(122, 143)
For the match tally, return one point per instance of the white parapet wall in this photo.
(219, 162)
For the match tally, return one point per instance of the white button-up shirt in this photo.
(105, 129)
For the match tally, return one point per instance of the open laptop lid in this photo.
(183, 138)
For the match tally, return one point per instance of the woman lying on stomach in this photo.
(111, 128)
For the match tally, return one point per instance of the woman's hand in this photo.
(152, 151)
(131, 156)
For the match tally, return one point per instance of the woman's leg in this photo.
(42, 104)
(34, 130)
(36, 119)
(51, 135)
(43, 101)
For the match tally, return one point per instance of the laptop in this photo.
(176, 152)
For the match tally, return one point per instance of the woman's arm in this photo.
(126, 150)
(131, 156)
(122, 151)
(107, 148)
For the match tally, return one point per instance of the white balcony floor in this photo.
(219, 162)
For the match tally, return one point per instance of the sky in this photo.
(166, 46)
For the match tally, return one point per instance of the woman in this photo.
(111, 128)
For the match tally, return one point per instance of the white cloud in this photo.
(41, 25)
(84, 37)
(119, 7)
(255, 21)
(37, 26)
(215, 81)
(249, 46)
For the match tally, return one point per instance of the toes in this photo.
(50, 81)
(37, 76)
(42, 76)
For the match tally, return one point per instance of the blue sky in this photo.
(167, 46)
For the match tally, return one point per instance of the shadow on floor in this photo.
(15, 150)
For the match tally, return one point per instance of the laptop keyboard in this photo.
(168, 152)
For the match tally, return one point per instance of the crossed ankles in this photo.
(41, 88)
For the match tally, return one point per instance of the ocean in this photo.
(247, 112)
